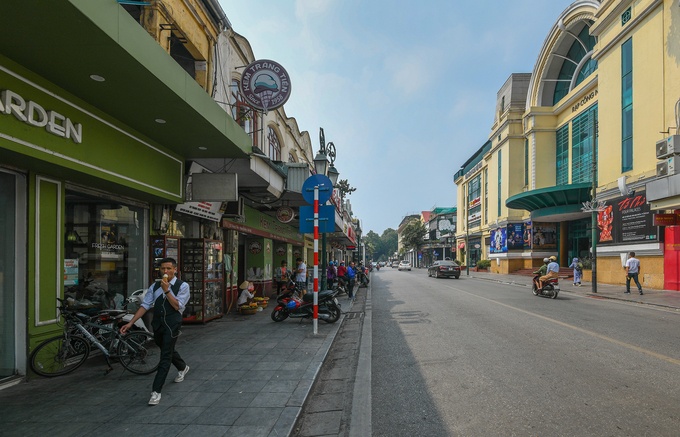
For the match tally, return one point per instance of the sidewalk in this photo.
(662, 298)
(249, 376)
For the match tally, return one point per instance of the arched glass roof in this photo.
(577, 63)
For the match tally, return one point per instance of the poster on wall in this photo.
(626, 220)
(515, 233)
(526, 236)
(498, 240)
(545, 236)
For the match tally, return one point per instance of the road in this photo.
(475, 358)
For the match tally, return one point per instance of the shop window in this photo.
(104, 250)
(627, 105)
(562, 156)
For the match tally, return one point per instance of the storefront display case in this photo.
(203, 268)
(163, 247)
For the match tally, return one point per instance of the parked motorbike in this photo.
(362, 277)
(290, 305)
(551, 288)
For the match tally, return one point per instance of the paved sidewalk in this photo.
(249, 376)
(663, 298)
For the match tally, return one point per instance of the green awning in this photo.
(66, 41)
(560, 197)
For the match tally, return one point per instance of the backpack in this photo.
(579, 266)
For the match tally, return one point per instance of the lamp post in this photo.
(593, 220)
(321, 160)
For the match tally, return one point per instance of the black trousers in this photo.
(166, 337)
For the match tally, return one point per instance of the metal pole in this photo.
(467, 232)
(593, 221)
(316, 260)
(324, 262)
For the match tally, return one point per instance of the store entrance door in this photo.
(12, 270)
(578, 239)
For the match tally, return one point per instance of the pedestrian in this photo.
(331, 274)
(168, 298)
(577, 265)
(301, 276)
(281, 276)
(351, 276)
(632, 272)
(247, 293)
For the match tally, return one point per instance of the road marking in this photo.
(576, 328)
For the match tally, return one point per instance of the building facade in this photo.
(124, 140)
(602, 94)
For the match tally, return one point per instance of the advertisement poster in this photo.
(545, 236)
(70, 272)
(515, 234)
(526, 236)
(498, 241)
(626, 220)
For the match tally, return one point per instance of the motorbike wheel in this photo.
(549, 291)
(279, 314)
(534, 289)
(334, 314)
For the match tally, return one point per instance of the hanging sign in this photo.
(265, 85)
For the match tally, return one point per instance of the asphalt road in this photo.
(474, 358)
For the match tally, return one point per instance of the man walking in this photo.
(168, 298)
(632, 272)
(351, 276)
(301, 276)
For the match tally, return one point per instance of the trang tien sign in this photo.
(33, 114)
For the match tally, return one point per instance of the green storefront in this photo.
(96, 125)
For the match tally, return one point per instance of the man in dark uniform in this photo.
(168, 298)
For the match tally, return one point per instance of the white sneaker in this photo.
(181, 374)
(155, 398)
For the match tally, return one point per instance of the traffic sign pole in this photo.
(316, 259)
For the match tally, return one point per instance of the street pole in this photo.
(593, 220)
(467, 233)
(316, 260)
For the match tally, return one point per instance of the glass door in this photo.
(12, 294)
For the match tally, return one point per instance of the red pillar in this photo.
(671, 258)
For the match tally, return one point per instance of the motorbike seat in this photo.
(324, 294)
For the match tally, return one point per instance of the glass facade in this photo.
(562, 156)
(627, 106)
(583, 143)
(105, 256)
(500, 180)
(574, 56)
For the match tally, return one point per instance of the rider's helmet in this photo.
(546, 260)
(553, 258)
(291, 305)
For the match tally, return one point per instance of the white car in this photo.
(404, 265)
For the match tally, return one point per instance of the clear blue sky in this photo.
(405, 90)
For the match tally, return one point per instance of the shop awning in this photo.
(67, 41)
(557, 200)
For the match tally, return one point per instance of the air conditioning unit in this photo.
(235, 209)
(668, 147)
(666, 167)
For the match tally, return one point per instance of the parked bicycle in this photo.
(136, 350)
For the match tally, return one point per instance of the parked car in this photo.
(395, 264)
(404, 265)
(444, 269)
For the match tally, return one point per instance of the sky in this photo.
(405, 90)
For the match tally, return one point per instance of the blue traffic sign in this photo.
(326, 219)
(325, 188)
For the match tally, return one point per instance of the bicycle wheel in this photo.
(56, 357)
(138, 353)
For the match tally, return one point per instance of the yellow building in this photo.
(603, 93)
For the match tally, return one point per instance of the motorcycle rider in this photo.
(552, 271)
(541, 271)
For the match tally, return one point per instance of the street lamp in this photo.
(321, 166)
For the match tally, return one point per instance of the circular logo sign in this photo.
(255, 247)
(265, 85)
(285, 214)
